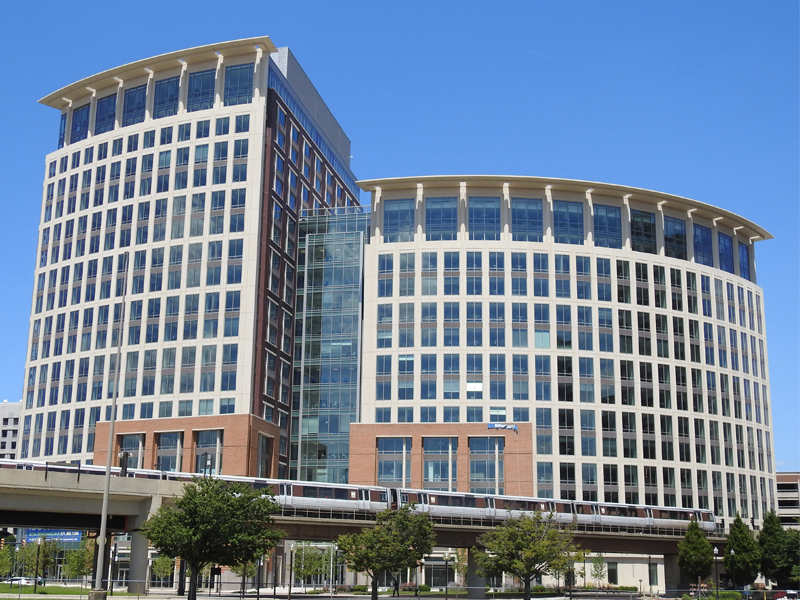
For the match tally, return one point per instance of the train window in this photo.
(583, 509)
(382, 497)
(310, 492)
(341, 494)
(470, 501)
(404, 498)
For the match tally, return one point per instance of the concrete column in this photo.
(476, 585)
(138, 573)
(672, 573)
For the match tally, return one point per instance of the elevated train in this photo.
(440, 505)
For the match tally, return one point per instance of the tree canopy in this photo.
(400, 539)
(527, 547)
(695, 555)
(772, 543)
(214, 521)
(598, 568)
(746, 563)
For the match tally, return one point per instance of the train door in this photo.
(363, 499)
(286, 491)
(394, 498)
(648, 516)
(422, 502)
(489, 509)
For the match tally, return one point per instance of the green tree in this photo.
(772, 543)
(214, 521)
(745, 564)
(527, 547)
(598, 569)
(48, 552)
(6, 560)
(792, 580)
(400, 539)
(309, 561)
(163, 567)
(695, 556)
(78, 563)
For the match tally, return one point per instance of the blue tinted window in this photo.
(675, 237)
(484, 218)
(568, 222)
(607, 226)
(744, 261)
(398, 221)
(725, 252)
(62, 130)
(80, 124)
(239, 84)
(201, 90)
(165, 102)
(133, 105)
(526, 220)
(643, 231)
(703, 251)
(106, 115)
(441, 219)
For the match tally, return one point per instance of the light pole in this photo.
(733, 567)
(101, 539)
(716, 571)
(446, 574)
(36, 571)
(206, 463)
(291, 569)
(649, 575)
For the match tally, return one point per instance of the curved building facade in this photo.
(563, 339)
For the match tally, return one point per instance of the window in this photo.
(607, 226)
(201, 90)
(675, 237)
(441, 219)
(484, 218)
(526, 219)
(165, 101)
(643, 231)
(703, 250)
(398, 221)
(238, 84)
(725, 252)
(106, 114)
(133, 105)
(744, 263)
(568, 222)
(80, 124)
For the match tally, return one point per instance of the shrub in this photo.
(424, 588)
(359, 588)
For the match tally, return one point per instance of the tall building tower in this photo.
(166, 271)
(563, 339)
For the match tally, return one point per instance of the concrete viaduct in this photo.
(72, 499)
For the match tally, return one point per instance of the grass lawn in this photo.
(51, 590)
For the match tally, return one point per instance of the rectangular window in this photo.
(607, 226)
(239, 84)
(484, 218)
(643, 231)
(725, 252)
(398, 220)
(201, 90)
(165, 102)
(441, 219)
(133, 105)
(568, 222)
(703, 250)
(106, 114)
(527, 224)
(675, 237)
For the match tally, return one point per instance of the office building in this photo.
(166, 259)
(789, 499)
(563, 339)
(9, 429)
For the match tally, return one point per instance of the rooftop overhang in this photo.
(60, 99)
(743, 227)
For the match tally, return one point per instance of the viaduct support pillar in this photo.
(476, 585)
(138, 573)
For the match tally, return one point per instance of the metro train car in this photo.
(440, 505)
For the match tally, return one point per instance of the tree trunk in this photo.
(194, 573)
(374, 587)
(527, 588)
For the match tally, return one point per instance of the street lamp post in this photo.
(36, 571)
(716, 571)
(206, 463)
(101, 538)
(446, 575)
(291, 569)
(733, 567)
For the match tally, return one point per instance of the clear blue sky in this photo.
(698, 99)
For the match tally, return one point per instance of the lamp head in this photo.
(716, 550)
